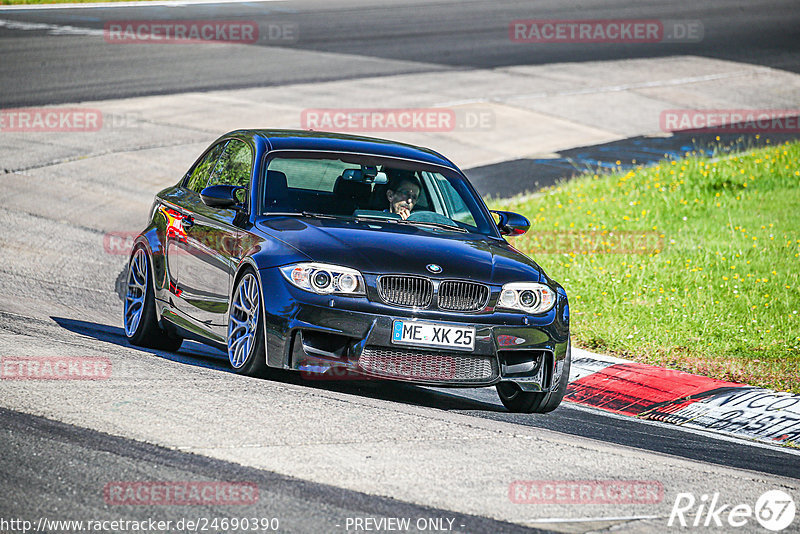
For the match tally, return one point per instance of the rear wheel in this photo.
(246, 329)
(139, 315)
(516, 400)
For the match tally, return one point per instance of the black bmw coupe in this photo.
(327, 253)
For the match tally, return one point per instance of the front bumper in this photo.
(328, 337)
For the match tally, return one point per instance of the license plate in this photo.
(438, 335)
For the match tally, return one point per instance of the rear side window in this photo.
(201, 172)
(310, 174)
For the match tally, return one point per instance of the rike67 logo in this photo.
(775, 511)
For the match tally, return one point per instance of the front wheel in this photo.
(516, 400)
(245, 328)
(139, 314)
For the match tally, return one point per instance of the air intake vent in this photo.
(410, 291)
(427, 366)
(462, 296)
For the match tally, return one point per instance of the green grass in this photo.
(713, 285)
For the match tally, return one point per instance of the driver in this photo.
(403, 192)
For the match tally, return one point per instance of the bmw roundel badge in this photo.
(435, 269)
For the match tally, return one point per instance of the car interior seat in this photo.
(277, 192)
(350, 195)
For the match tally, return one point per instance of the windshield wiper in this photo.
(434, 225)
(323, 215)
(377, 218)
(300, 214)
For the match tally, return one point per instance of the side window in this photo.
(199, 178)
(310, 174)
(235, 166)
(458, 210)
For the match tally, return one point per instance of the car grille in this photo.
(462, 296)
(409, 291)
(427, 366)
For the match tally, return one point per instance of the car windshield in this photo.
(370, 187)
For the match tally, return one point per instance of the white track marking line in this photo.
(665, 83)
(672, 82)
(59, 29)
(483, 395)
(588, 519)
(742, 440)
(52, 29)
(106, 5)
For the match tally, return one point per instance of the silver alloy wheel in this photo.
(243, 321)
(137, 291)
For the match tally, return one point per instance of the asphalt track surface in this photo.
(53, 468)
(58, 471)
(367, 39)
(483, 402)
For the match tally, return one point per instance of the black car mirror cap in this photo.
(221, 196)
(512, 224)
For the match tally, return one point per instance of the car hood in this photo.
(388, 247)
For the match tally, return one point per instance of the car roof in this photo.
(337, 142)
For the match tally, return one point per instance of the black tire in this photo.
(146, 331)
(252, 360)
(518, 401)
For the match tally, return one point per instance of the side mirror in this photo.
(511, 223)
(221, 196)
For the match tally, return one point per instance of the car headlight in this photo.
(323, 279)
(529, 297)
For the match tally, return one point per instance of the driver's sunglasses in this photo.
(408, 193)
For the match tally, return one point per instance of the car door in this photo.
(211, 243)
(178, 205)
